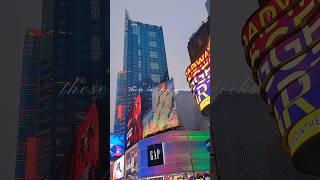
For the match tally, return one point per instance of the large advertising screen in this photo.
(131, 163)
(117, 146)
(134, 126)
(282, 47)
(198, 77)
(118, 169)
(163, 114)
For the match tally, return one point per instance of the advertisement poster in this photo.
(116, 145)
(131, 163)
(118, 169)
(163, 114)
(87, 147)
(134, 126)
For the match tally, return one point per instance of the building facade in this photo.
(27, 140)
(73, 70)
(189, 115)
(145, 61)
(120, 109)
(246, 140)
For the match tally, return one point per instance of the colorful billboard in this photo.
(198, 77)
(87, 147)
(163, 114)
(282, 46)
(173, 152)
(118, 169)
(117, 145)
(131, 163)
(134, 126)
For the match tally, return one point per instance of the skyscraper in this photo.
(28, 110)
(119, 117)
(73, 70)
(145, 61)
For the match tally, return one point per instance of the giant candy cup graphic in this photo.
(281, 41)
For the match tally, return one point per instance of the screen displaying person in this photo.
(163, 104)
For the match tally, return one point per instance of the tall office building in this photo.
(246, 140)
(120, 109)
(145, 61)
(26, 152)
(73, 70)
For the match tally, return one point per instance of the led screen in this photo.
(131, 163)
(282, 46)
(118, 169)
(134, 126)
(198, 77)
(163, 114)
(117, 147)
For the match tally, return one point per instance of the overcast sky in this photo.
(178, 18)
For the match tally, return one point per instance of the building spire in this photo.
(127, 15)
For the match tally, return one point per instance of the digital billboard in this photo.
(281, 41)
(173, 152)
(118, 169)
(134, 126)
(198, 77)
(87, 146)
(117, 145)
(163, 114)
(131, 163)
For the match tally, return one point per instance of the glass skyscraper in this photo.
(26, 152)
(73, 70)
(145, 62)
(119, 117)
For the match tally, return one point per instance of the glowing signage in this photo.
(134, 125)
(291, 52)
(282, 46)
(164, 113)
(304, 130)
(198, 77)
(282, 29)
(120, 111)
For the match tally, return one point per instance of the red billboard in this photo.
(134, 126)
(86, 149)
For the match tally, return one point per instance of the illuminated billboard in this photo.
(173, 152)
(117, 145)
(163, 114)
(118, 169)
(131, 163)
(282, 46)
(134, 126)
(198, 77)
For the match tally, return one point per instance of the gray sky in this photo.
(15, 17)
(179, 19)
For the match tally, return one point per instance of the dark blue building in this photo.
(119, 117)
(73, 70)
(145, 61)
(26, 164)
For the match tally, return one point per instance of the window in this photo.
(153, 54)
(152, 34)
(152, 43)
(135, 28)
(154, 66)
(139, 64)
(140, 77)
(155, 78)
(95, 48)
(139, 52)
(95, 11)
